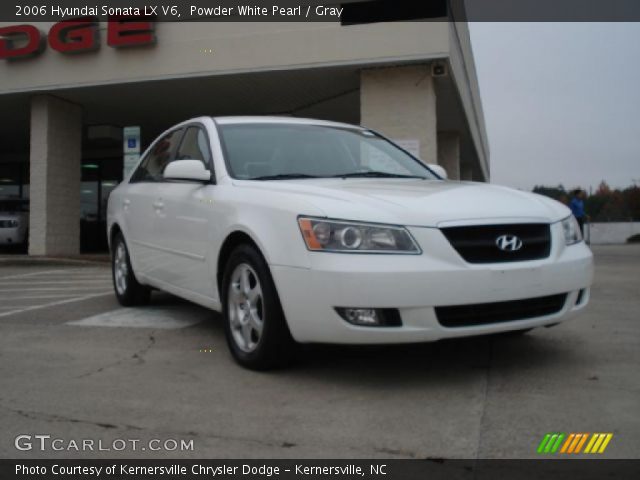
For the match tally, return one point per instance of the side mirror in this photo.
(193, 170)
(439, 170)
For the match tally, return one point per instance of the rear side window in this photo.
(195, 146)
(154, 163)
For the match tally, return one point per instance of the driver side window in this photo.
(152, 166)
(195, 146)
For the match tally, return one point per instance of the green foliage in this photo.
(603, 205)
(557, 193)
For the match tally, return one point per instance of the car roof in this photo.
(235, 120)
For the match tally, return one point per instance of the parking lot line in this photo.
(156, 317)
(36, 297)
(53, 282)
(49, 289)
(32, 274)
(55, 304)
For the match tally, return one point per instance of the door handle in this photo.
(126, 202)
(158, 204)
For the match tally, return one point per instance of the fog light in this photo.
(371, 317)
(580, 297)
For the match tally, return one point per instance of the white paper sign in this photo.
(130, 162)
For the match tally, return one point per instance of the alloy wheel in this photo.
(246, 309)
(121, 269)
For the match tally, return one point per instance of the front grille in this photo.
(478, 243)
(484, 313)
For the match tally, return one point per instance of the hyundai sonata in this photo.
(313, 231)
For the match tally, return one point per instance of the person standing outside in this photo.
(577, 207)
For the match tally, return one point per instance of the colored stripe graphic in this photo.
(573, 443)
(550, 443)
(543, 443)
(605, 443)
(554, 449)
(581, 443)
(593, 439)
(567, 443)
(598, 442)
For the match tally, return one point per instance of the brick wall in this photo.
(400, 103)
(55, 156)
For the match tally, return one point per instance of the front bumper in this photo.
(415, 284)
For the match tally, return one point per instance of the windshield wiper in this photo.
(284, 176)
(374, 174)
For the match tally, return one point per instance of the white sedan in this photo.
(14, 222)
(314, 231)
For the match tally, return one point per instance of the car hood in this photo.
(414, 202)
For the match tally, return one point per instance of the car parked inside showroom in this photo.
(14, 222)
(312, 231)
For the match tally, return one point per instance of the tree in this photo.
(603, 189)
(632, 200)
(557, 193)
(605, 205)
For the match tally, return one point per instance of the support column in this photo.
(56, 150)
(466, 173)
(400, 102)
(449, 153)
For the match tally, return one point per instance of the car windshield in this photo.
(292, 151)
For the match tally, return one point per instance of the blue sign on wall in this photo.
(131, 147)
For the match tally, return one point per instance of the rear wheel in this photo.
(128, 290)
(255, 326)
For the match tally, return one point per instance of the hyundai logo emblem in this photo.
(509, 243)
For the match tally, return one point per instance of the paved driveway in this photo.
(74, 365)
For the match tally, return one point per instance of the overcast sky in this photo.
(561, 102)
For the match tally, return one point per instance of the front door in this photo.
(184, 231)
(144, 209)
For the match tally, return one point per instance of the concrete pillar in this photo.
(400, 103)
(449, 153)
(56, 149)
(466, 172)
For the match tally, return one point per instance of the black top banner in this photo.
(426, 469)
(348, 12)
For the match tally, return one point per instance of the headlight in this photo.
(572, 233)
(323, 235)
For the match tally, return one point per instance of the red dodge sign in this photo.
(74, 36)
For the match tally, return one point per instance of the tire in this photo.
(128, 291)
(254, 323)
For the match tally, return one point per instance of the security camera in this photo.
(439, 69)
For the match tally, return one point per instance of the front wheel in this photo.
(255, 326)
(128, 290)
